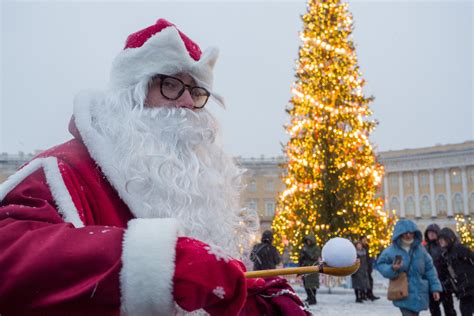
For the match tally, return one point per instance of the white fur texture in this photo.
(56, 184)
(167, 162)
(163, 53)
(148, 261)
(339, 252)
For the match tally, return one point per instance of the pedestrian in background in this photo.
(309, 256)
(264, 255)
(406, 254)
(360, 279)
(446, 296)
(459, 264)
(369, 293)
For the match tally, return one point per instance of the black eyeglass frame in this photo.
(184, 87)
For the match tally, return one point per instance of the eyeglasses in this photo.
(172, 88)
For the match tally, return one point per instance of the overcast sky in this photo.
(417, 59)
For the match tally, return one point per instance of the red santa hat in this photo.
(163, 49)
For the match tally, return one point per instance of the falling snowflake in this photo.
(218, 252)
(219, 292)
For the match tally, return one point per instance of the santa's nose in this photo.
(185, 100)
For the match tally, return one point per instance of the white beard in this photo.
(172, 161)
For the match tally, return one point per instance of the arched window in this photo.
(410, 205)
(425, 206)
(458, 203)
(395, 205)
(441, 204)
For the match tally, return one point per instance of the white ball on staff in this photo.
(339, 252)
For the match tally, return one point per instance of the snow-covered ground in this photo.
(340, 301)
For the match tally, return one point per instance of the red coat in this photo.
(72, 243)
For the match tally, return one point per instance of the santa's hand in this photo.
(272, 296)
(205, 277)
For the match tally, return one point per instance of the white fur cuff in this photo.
(148, 260)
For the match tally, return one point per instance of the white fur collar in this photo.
(98, 147)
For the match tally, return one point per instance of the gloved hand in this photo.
(205, 277)
(272, 296)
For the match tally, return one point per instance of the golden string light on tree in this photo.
(465, 229)
(332, 173)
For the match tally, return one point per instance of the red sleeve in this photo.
(205, 277)
(48, 266)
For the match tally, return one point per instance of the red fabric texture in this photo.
(139, 38)
(205, 280)
(47, 266)
(272, 297)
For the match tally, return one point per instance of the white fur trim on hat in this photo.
(148, 258)
(163, 53)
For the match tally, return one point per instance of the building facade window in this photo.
(393, 180)
(458, 203)
(410, 206)
(252, 187)
(439, 177)
(441, 205)
(470, 173)
(395, 205)
(408, 179)
(252, 204)
(471, 202)
(425, 206)
(456, 176)
(269, 208)
(270, 185)
(424, 179)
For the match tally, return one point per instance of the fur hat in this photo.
(163, 49)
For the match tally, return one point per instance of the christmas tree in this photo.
(333, 174)
(465, 230)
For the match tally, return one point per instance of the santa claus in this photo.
(139, 213)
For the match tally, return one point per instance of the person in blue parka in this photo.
(422, 276)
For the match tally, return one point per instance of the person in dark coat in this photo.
(309, 256)
(459, 264)
(264, 255)
(360, 279)
(369, 293)
(434, 249)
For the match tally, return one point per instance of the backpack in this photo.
(255, 254)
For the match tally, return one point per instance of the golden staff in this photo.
(321, 268)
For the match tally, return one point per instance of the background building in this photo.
(427, 185)
(10, 163)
